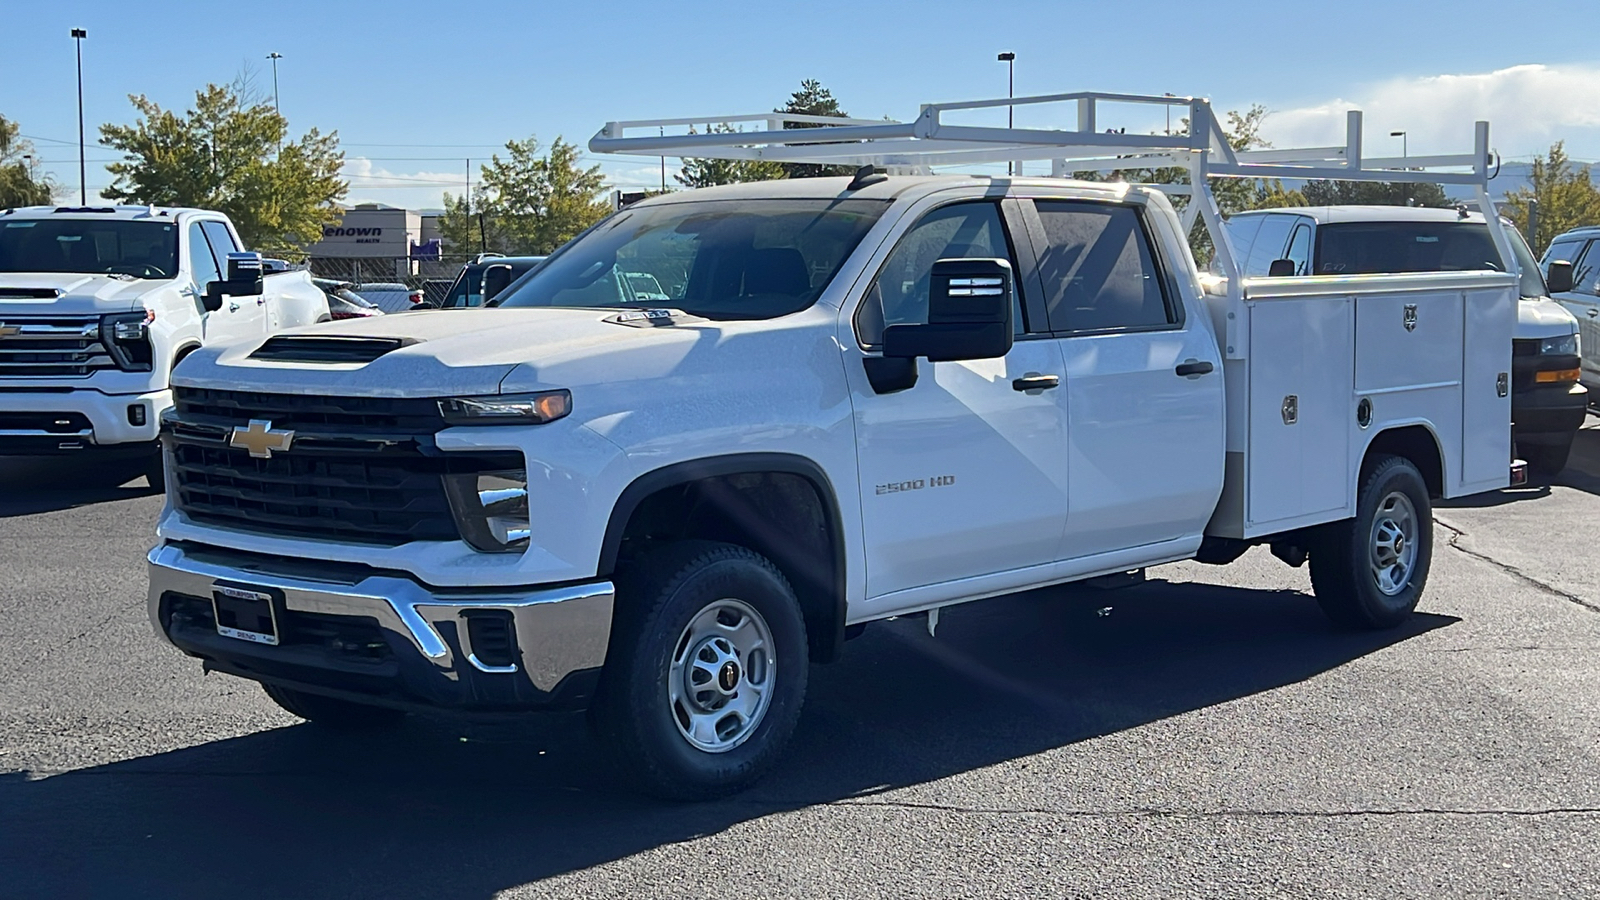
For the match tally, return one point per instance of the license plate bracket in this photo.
(247, 613)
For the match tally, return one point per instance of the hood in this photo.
(1541, 317)
(441, 353)
(80, 294)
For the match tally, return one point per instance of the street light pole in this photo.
(78, 34)
(1405, 156)
(1010, 59)
(275, 56)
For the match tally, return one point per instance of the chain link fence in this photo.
(433, 277)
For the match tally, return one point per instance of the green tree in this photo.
(1566, 194)
(17, 185)
(813, 100)
(230, 153)
(1375, 193)
(527, 204)
(699, 172)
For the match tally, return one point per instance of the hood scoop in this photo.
(327, 348)
(20, 293)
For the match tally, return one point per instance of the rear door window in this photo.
(1098, 269)
(222, 242)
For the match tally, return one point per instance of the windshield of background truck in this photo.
(1375, 248)
(721, 259)
(90, 247)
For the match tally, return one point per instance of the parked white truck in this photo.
(868, 397)
(97, 304)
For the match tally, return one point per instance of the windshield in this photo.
(90, 247)
(1531, 283)
(721, 259)
(1373, 248)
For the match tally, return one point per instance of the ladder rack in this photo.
(930, 140)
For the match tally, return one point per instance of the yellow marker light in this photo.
(1556, 376)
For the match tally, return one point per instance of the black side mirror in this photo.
(245, 271)
(495, 280)
(1559, 277)
(969, 314)
(1280, 268)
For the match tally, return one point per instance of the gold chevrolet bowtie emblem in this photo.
(9, 330)
(260, 440)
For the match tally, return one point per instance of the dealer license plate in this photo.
(248, 615)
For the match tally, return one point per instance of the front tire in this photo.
(1369, 572)
(706, 672)
(331, 712)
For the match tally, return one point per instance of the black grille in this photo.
(363, 470)
(298, 412)
(52, 347)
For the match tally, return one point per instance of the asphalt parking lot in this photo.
(1206, 733)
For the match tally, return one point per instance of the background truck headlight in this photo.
(126, 337)
(1567, 345)
(491, 508)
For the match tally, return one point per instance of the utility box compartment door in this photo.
(1300, 408)
(1408, 340)
(1491, 315)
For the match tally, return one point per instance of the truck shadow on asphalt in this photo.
(465, 810)
(30, 485)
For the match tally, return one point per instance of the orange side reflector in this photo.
(1555, 376)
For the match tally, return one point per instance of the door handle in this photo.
(1191, 368)
(1594, 311)
(1033, 383)
(233, 307)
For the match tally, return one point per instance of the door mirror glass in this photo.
(1280, 268)
(495, 280)
(969, 314)
(1558, 278)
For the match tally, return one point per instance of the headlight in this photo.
(491, 508)
(1566, 345)
(507, 409)
(126, 337)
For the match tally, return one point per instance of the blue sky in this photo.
(414, 88)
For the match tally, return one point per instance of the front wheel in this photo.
(706, 671)
(1368, 572)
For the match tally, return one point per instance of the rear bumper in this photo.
(40, 423)
(1548, 414)
(386, 639)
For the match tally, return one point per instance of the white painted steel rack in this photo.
(916, 147)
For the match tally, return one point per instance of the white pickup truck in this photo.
(866, 398)
(98, 304)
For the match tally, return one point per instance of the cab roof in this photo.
(1328, 215)
(107, 211)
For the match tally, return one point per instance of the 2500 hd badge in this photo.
(898, 487)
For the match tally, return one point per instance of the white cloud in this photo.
(1528, 108)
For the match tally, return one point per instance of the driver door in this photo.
(240, 318)
(962, 475)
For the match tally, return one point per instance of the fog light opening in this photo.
(137, 415)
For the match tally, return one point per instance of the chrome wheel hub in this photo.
(1393, 545)
(722, 673)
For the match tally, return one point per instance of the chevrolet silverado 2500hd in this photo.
(866, 397)
(98, 304)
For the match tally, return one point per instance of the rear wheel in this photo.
(331, 712)
(706, 670)
(1368, 572)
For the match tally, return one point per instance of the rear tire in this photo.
(1545, 461)
(706, 670)
(1369, 572)
(331, 712)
